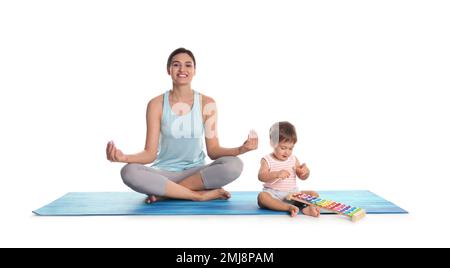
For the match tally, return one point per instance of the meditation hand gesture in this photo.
(251, 143)
(113, 154)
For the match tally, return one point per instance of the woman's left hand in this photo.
(251, 143)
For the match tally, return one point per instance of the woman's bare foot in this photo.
(154, 198)
(311, 211)
(214, 194)
(293, 210)
(204, 195)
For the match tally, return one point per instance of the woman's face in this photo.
(182, 69)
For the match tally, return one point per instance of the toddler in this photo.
(279, 170)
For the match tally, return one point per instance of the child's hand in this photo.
(302, 171)
(283, 174)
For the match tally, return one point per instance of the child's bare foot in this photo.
(311, 211)
(293, 210)
(214, 194)
(153, 198)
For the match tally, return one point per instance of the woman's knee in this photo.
(232, 166)
(222, 172)
(128, 172)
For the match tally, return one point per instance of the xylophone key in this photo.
(350, 210)
(344, 209)
(305, 196)
(355, 211)
(347, 211)
(332, 205)
(335, 206)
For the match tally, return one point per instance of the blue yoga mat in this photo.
(240, 203)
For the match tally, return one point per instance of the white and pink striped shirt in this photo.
(274, 164)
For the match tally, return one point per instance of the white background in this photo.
(365, 82)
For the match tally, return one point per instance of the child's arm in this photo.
(265, 175)
(302, 170)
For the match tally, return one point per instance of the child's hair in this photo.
(179, 51)
(282, 132)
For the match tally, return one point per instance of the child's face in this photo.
(283, 150)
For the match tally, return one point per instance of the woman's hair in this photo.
(282, 132)
(179, 51)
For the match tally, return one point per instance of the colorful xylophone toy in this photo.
(353, 213)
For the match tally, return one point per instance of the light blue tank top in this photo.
(181, 138)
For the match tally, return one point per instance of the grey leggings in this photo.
(153, 181)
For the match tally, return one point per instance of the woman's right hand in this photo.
(113, 154)
(250, 144)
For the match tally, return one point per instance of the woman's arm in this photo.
(148, 155)
(213, 147)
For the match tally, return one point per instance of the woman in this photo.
(176, 123)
